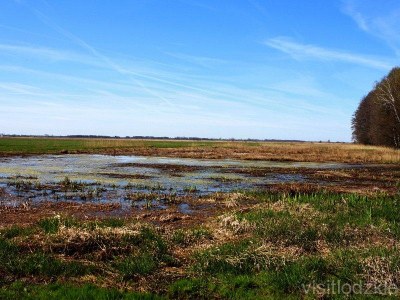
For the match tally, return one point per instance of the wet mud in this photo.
(164, 190)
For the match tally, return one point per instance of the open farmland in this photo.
(199, 149)
(277, 151)
(196, 220)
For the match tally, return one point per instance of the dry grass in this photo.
(276, 151)
(314, 152)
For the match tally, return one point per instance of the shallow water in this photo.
(116, 174)
(116, 170)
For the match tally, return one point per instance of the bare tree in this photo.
(377, 118)
(388, 95)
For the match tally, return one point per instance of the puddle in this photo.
(185, 208)
(103, 178)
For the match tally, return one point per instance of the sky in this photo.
(265, 69)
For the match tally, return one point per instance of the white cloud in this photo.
(207, 62)
(380, 19)
(307, 51)
(45, 53)
(260, 8)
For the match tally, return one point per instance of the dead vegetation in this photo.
(274, 151)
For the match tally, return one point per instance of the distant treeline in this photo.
(377, 119)
(139, 137)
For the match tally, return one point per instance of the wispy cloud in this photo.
(45, 53)
(17, 88)
(261, 9)
(207, 62)
(106, 91)
(129, 73)
(96, 54)
(382, 20)
(198, 4)
(307, 51)
(359, 18)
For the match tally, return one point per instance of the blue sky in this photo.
(229, 68)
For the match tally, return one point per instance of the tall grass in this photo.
(318, 152)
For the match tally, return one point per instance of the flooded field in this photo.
(139, 181)
(237, 228)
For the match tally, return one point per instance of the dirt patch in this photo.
(364, 180)
(178, 212)
(26, 214)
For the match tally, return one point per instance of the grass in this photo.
(137, 265)
(277, 151)
(52, 225)
(15, 262)
(16, 231)
(191, 236)
(230, 258)
(56, 145)
(271, 245)
(288, 243)
(19, 290)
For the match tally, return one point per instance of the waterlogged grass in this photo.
(267, 246)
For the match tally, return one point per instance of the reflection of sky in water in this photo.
(88, 168)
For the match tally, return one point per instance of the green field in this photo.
(53, 145)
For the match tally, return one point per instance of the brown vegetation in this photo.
(274, 151)
(297, 152)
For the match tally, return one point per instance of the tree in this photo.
(362, 120)
(388, 93)
(377, 118)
